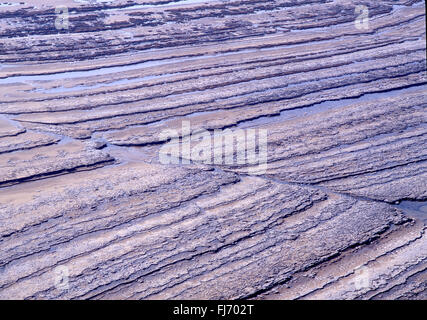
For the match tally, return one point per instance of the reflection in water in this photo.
(414, 209)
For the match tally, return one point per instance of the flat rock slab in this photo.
(219, 237)
(7, 129)
(27, 140)
(393, 268)
(370, 149)
(174, 79)
(50, 160)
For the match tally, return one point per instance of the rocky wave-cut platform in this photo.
(338, 213)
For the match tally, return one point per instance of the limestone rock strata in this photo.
(120, 240)
(371, 149)
(50, 160)
(89, 209)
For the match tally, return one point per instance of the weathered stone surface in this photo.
(292, 68)
(393, 268)
(27, 140)
(338, 214)
(372, 149)
(181, 244)
(7, 129)
(51, 160)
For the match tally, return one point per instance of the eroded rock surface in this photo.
(338, 213)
